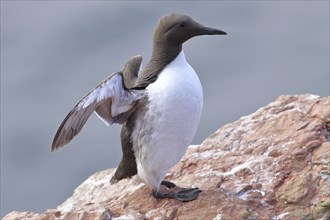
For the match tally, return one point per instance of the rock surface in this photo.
(272, 164)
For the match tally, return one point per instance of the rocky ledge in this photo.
(273, 164)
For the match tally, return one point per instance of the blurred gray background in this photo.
(54, 52)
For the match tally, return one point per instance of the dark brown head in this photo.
(170, 33)
(175, 29)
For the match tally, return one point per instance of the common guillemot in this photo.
(159, 108)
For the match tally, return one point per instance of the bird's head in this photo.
(176, 29)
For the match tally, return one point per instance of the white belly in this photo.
(170, 122)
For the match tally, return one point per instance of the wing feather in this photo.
(109, 99)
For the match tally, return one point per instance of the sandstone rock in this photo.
(272, 164)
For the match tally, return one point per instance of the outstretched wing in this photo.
(109, 100)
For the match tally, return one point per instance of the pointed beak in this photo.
(212, 31)
(203, 30)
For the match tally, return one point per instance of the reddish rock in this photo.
(272, 164)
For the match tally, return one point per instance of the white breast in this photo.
(171, 121)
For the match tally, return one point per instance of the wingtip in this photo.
(57, 145)
(58, 141)
(54, 146)
(133, 62)
(137, 58)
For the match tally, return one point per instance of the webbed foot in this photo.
(174, 192)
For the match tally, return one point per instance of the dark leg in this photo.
(175, 192)
(126, 168)
(168, 184)
(127, 165)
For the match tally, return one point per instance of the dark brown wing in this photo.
(110, 99)
(71, 126)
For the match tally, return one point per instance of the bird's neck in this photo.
(162, 54)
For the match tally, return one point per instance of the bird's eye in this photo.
(182, 24)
